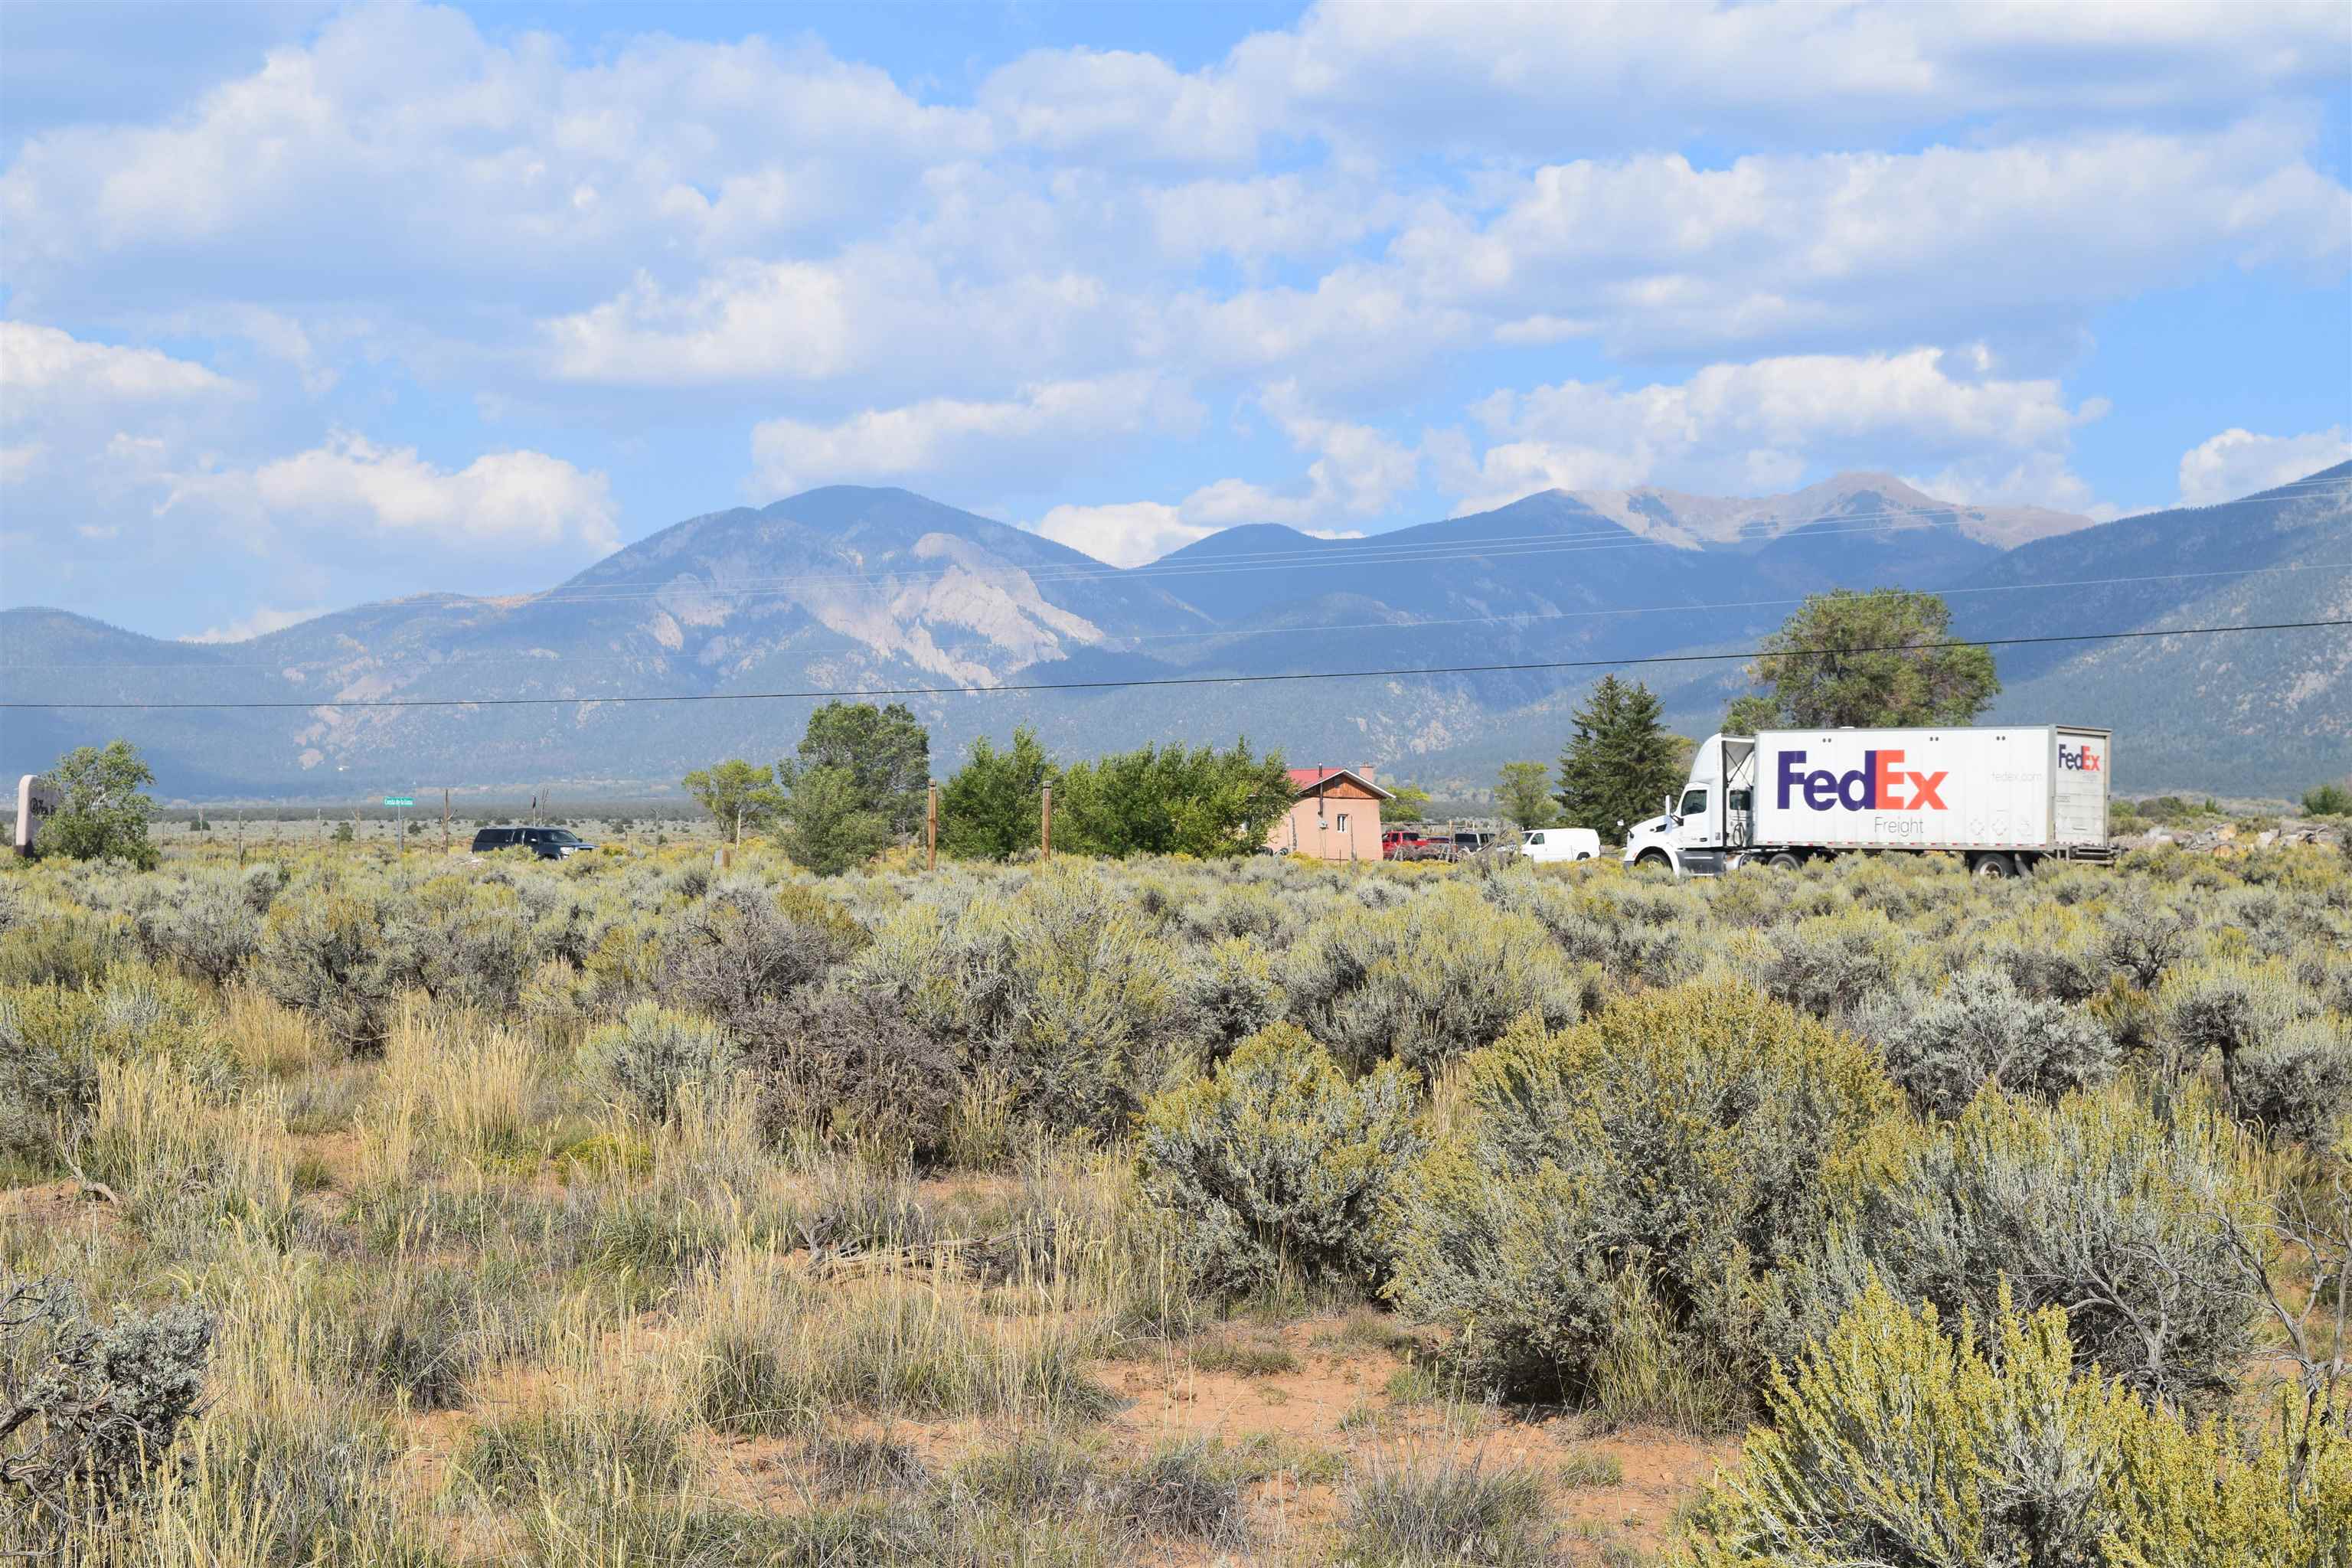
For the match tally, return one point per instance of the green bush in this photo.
(849, 1064)
(1418, 1514)
(332, 955)
(1634, 1183)
(1275, 1159)
(653, 1057)
(1090, 1018)
(2098, 1204)
(1980, 1029)
(48, 1077)
(2228, 1005)
(1829, 965)
(2298, 1085)
(209, 927)
(1231, 992)
(1899, 1441)
(741, 947)
(88, 1410)
(1429, 979)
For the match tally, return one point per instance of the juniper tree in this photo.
(1620, 762)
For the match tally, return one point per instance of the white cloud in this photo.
(1055, 424)
(42, 368)
(1514, 78)
(499, 502)
(1357, 472)
(2239, 462)
(1124, 534)
(437, 151)
(260, 623)
(1737, 429)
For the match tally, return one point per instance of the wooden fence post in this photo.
(931, 830)
(1045, 826)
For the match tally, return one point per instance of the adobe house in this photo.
(1336, 816)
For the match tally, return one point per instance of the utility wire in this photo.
(1203, 680)
(1239, 632)
(1372, 551)
(1378, 550)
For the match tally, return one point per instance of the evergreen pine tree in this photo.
(1619, 763)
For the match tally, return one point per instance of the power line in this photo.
(1203, 680)
(1239, 632)
(1347, 552)
(1363, 552)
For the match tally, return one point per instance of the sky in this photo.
(303, 306)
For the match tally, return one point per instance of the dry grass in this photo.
(470, 1310)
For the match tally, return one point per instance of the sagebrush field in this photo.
(631, 1211)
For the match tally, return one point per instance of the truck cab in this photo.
(1705, 828)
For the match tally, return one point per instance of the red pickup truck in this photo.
(1409, 844)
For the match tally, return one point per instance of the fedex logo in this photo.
(2078, 758)
(1881, 783)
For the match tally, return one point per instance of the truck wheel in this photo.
(1996, 867)
(1786, 860)
(1655, 859)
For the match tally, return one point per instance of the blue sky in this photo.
(307, 305)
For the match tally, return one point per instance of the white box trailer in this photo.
(2005, 797)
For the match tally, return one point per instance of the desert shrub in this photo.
(740, 947)
(88, 1411)
(654, 1056)
(2143, 938)
(475, 951)
(859, 1208)
(1089, 1020)
(60, 949)
(2051, 970)
(1428, 980)
(2127, 1217)
(1404, 1513)
(1982, 1029)
(1258, 914)
(1276, 1159)
(858, 1462)
(1230, 992)
(426, 1335)
(850, 1065)
(1669, 1154)
(328, 954)
(776, 1354)
(2298, 1084)
(208, 927)
(1829, 965)
(1182, 1490)
(2227, 1004)
(1898, 1441)
(49, 1078)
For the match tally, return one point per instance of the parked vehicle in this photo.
(1409, 843)
(2006, 798)
(1469, 843)
(1543, 844)
(547, 843)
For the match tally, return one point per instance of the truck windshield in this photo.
(563, 836)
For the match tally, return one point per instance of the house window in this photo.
(1343, 822)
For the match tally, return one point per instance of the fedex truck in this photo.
(2004, 798)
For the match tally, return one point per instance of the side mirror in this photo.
(1621, 822)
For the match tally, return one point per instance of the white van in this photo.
(1559, 844)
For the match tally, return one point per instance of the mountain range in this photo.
(860, 589)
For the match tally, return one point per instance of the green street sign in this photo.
(398, 800)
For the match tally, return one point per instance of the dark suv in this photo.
(547, 843)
